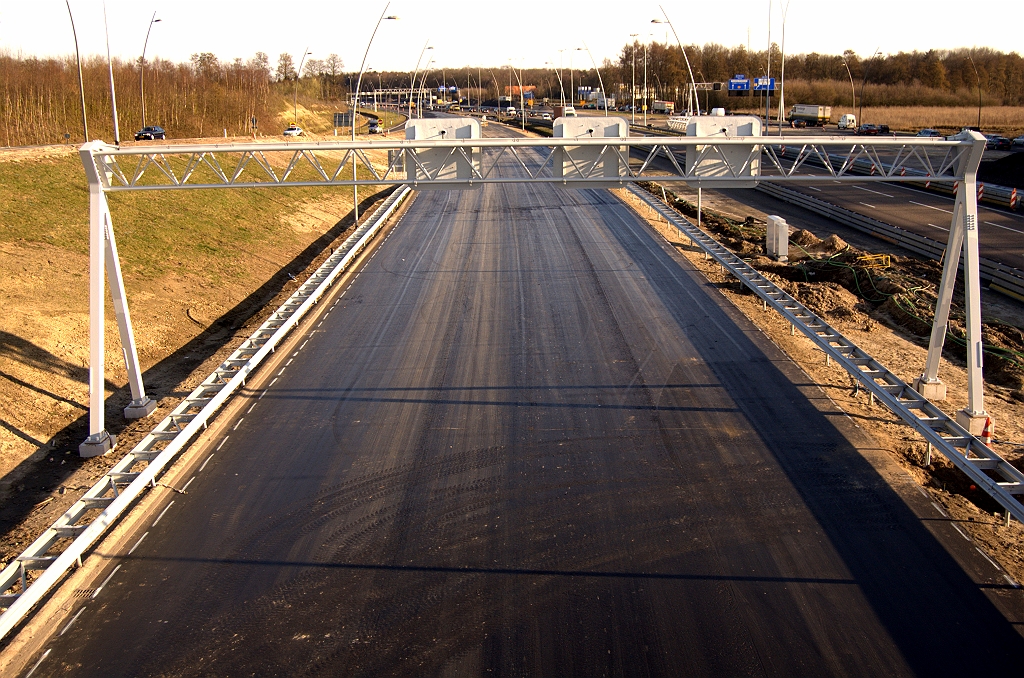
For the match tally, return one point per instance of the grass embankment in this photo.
(317, 118)
(189, 258)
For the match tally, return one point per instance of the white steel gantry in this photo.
(586, 159)
(579, 157)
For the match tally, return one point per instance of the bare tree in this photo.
(333, 65)
(313, 68)
(285, 67)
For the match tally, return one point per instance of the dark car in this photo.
(930, 133)
(798, 124)
(994, 142)
(872, 130)
(1018, 143)
(150, 133)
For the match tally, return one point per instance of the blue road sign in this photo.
(764, 84)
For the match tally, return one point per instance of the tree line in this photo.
(39, 99)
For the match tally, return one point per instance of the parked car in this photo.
(930, 133)
(873, 130)
(1018, 143)
(798, 124)
(996, 143)
(293, 130)
(149, 133)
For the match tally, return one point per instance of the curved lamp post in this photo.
(978, 79)
(81, 83)
(412, 83)
(355, 106)
(685, 58)
(860, 113)
(600, 80)
(633, 92)
(559, 76)
(782, 73)
(420, 89)
(295, 97)
(853, 92)
(142, 67)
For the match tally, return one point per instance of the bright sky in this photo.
(489, 33)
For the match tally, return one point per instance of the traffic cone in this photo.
(986, 433)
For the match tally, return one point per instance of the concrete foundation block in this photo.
(972, 421)
(931, 390)
(137, 409)
(97, 445)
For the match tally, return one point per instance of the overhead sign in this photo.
(764, 84)
(739, 83)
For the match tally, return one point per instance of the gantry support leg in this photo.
(99, 441)
(103, 255)
(141, 405)
(963, 233)
(928, 384)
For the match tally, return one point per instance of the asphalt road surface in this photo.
(530, 440)
(1000, 235)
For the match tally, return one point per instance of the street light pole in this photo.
(685, 58)
(782, 73)
(142, 67)
(633, 55)
(863, 81)
(412, 85)
(81, 82)
(646, 94)
(978, 79)
(110, 69)
(600, 80)
(295, 99)
(355, 107)
(853, 92)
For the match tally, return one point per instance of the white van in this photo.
(848, 121)
(511, 110)
(570, 112)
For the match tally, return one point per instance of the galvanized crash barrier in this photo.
(1004, 278)
(139, 469)
(990, 472)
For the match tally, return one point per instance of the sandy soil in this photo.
(901, 353)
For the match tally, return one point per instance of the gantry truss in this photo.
(517, 160)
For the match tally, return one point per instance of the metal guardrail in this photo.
(116, 491)
(964, 450)
(1004, 278)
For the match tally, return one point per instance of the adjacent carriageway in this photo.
(528, 438)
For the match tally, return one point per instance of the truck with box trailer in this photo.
(812, 115)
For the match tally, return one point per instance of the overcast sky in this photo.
(489, 33)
